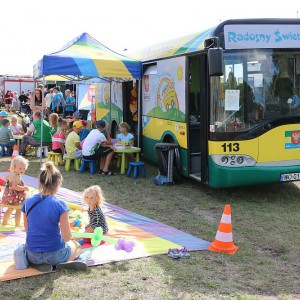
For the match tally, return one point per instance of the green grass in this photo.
(265, 227)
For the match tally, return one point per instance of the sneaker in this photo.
(174, 253)
(42, 267)
(72, 265)
(184, 254)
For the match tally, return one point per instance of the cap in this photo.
(100, 123)
(77, 124)
(3, 113)
(83, 122)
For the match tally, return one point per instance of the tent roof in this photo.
(85, 56)
(187, 44)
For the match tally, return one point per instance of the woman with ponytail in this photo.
(46, 221)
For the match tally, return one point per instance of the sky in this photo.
(31, 28)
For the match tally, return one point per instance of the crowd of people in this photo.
(29, 102)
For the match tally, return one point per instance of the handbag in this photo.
(20, 255)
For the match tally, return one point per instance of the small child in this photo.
(15, 127)
(53, 121)
(59, 138)
(14, 193)
(125, 135)
(6, 136)
(94, 198)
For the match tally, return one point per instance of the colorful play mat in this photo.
(150, 237)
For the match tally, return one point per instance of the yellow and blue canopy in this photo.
(182, 45)
(85, 56)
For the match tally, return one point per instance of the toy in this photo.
(75, 223)
(123, 245)
(98, 236)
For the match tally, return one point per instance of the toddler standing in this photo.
(14, 193)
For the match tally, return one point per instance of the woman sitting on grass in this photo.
(46, 221)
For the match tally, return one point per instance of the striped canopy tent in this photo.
(86, 57)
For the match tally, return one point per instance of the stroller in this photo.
(25, 120)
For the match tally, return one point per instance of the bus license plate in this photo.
(290, 177)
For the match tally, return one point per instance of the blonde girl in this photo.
(15, 127)
(59, 138)
(53, 121)
(126, 137)
(46, 221)
(94, 198)
(14, 193)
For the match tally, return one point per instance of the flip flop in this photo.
(72, 265)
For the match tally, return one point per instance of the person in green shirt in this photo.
(34, 136)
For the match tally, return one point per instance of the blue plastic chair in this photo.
(92, 164)
(135, 167)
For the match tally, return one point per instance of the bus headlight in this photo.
(234, 161)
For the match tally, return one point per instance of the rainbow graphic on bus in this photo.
(166, 96)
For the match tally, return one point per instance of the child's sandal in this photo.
(108, 173)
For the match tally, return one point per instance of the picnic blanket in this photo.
(150, 237)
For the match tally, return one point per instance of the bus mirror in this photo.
(215, 62)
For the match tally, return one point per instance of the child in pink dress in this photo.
(14, 193)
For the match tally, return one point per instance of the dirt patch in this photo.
(205, 214)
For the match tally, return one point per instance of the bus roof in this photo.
(195, 42)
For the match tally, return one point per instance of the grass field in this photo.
(265, 226)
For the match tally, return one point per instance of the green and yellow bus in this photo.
(234, 111)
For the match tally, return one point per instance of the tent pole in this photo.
(139, 102)
(42, 120)
(110, 123)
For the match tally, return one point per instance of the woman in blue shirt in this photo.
(69, 109)
(46, 221)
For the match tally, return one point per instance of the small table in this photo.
(18, 138)
(127, 150)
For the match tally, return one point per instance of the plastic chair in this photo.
(85, 162)
(135, 166)
(55, 157)
(68, 163)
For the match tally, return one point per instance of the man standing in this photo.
(23, 100)
(72, 145)
(96, 146)
(34, 134)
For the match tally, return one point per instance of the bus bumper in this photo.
(222, 177)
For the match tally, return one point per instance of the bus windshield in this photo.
(258, 86)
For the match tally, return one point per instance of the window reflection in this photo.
(268, 85)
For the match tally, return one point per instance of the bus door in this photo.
(197, 117)
(130, 108)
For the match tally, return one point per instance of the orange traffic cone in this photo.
(224, 241)
(15, 152)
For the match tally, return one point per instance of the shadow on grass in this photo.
(37, 287)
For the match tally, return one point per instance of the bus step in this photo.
(195, 153)
(196, 176)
